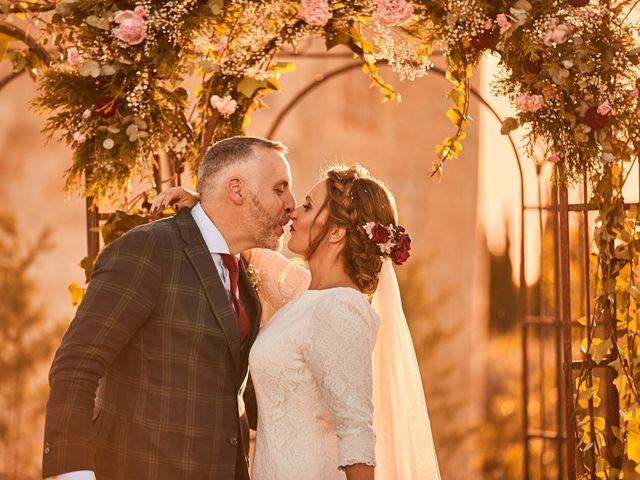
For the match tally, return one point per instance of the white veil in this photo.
(404, 446)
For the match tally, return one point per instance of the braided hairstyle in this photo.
(354, 198)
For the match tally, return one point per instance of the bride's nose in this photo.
(294, 214)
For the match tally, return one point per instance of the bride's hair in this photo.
(355, 198)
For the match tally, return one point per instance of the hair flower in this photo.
(392, 242)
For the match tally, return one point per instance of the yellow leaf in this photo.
(633, 447)
(76, 294)
(600, 349)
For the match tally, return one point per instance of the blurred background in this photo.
(460, 288)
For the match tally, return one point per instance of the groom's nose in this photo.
(289, 202)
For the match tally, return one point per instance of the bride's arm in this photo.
(337, 348)
(280, 279)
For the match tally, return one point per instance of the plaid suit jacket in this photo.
(156, 331)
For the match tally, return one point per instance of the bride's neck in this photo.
(328, 273)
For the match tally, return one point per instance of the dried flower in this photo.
(86, 114)
(73, 57)
(558, 34)
(108, 144)
(79, 137)
(132, 28)
(315, 12)
(503, 21)
(604, 108)
(225, 105)
(529, 103)
(596, 120)
(393, 13)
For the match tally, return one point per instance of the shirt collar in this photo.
(212, 236)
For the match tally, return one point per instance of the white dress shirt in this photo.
(216, 245)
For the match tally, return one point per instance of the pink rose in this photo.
(488, 24)
(558, 34)
(315, 12)
(553, 158)
(225, 105)
(86, 114)
(131, 27)
(634, 93)
(529, 103)
(73, 57)
(393, 13)
(604, 108)
(503, 21)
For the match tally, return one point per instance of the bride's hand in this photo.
(176, 198)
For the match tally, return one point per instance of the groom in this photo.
(164, 330)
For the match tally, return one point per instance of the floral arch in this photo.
(112, 81)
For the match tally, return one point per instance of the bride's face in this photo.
(308, 219)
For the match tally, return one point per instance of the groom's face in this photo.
(271, 199)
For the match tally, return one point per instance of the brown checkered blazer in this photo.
(156, 330)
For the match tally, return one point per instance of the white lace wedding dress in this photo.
(312, 372)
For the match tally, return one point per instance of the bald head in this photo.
(235, 156)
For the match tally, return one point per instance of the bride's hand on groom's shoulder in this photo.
(174, 197)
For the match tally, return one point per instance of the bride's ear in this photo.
(337, 234)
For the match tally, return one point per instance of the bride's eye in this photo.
(306, 206)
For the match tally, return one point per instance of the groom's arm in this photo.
(121, 294)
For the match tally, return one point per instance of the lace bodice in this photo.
(312, 373)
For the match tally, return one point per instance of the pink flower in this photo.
(634, 93)
(79, 137)
(488, 24)
(393, 13)
(73, 57)
(503, 21)
(558, 34)
(604, 108)
(529, 103)
(221, 44)
(86, 114)
(315, 12)
(140, 11)
(553, 158)
(131, 29)
(225, 105)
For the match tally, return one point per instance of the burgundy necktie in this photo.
(231, 262)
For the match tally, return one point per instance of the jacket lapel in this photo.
(201, 261)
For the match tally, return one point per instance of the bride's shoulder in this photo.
(340, 301)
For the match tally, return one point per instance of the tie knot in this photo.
(230, 261)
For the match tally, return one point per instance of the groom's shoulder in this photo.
(159, 232)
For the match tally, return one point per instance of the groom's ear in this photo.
(337, 234)
(237, 190)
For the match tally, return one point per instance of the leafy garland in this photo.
(118, 98)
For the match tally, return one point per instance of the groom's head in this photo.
(245, 187)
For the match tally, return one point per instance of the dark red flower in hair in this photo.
(400, 252)
(379, 234)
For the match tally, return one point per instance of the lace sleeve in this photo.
(338, 351)
(281, 279)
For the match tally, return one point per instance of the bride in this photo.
(338, 390)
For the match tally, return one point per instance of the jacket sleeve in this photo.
(120, 296)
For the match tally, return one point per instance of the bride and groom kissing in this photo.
(151, 379)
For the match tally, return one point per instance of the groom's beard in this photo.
(265, 225)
